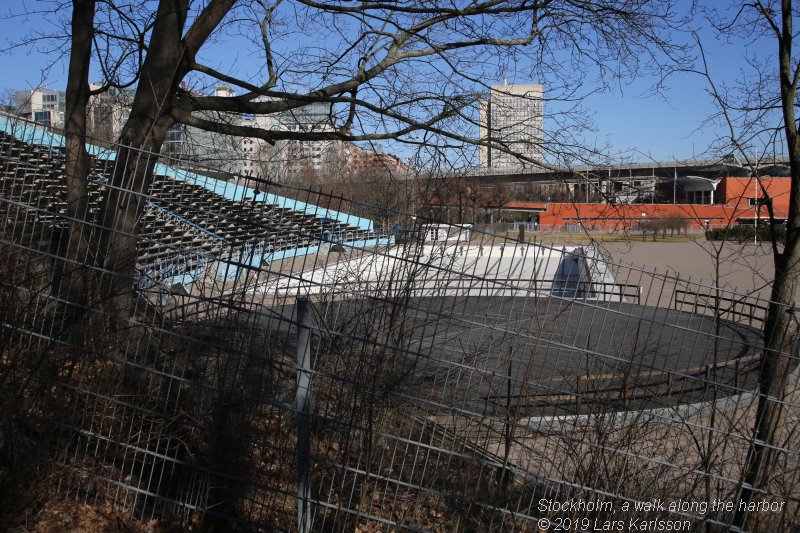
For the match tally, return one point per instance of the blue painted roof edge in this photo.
(33, 134)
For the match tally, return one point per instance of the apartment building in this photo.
(511, 126)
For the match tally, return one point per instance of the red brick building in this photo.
(366, 162)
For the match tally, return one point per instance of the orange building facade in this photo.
(749, 192)
(736, 200)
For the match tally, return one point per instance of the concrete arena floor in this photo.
(745, 268)
(485, 356)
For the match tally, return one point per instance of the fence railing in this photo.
(751, 310)
(504, 393)
(584, 290)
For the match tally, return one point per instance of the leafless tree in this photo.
(77, 158)
(408, 72)
(758, 114)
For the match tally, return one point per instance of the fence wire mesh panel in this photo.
(233, 353)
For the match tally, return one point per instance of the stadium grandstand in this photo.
(191, 221)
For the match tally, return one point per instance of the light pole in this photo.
(757, 211)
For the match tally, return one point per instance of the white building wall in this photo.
(107, 112)
(289, 160)
(46, 106)
(511, 120)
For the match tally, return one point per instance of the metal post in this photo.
(675, 186)
(303, 418)
(757, 211)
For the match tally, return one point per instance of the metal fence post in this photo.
(303, 418)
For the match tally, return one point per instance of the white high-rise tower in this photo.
(511, 121)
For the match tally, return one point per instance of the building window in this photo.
(758, 201)
(174, 133)
(43, 117)
(700, 197)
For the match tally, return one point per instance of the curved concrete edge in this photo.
(684, 413)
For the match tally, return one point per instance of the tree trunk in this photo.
(75, 248)
(773, 374)
(142, 137)
(778, 328)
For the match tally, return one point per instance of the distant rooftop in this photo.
(727, 166)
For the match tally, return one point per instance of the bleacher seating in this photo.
(184, 225)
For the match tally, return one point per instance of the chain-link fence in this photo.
(275, 363)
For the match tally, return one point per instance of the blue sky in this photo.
(629, 118)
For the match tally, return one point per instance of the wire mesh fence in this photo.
(270, 360)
